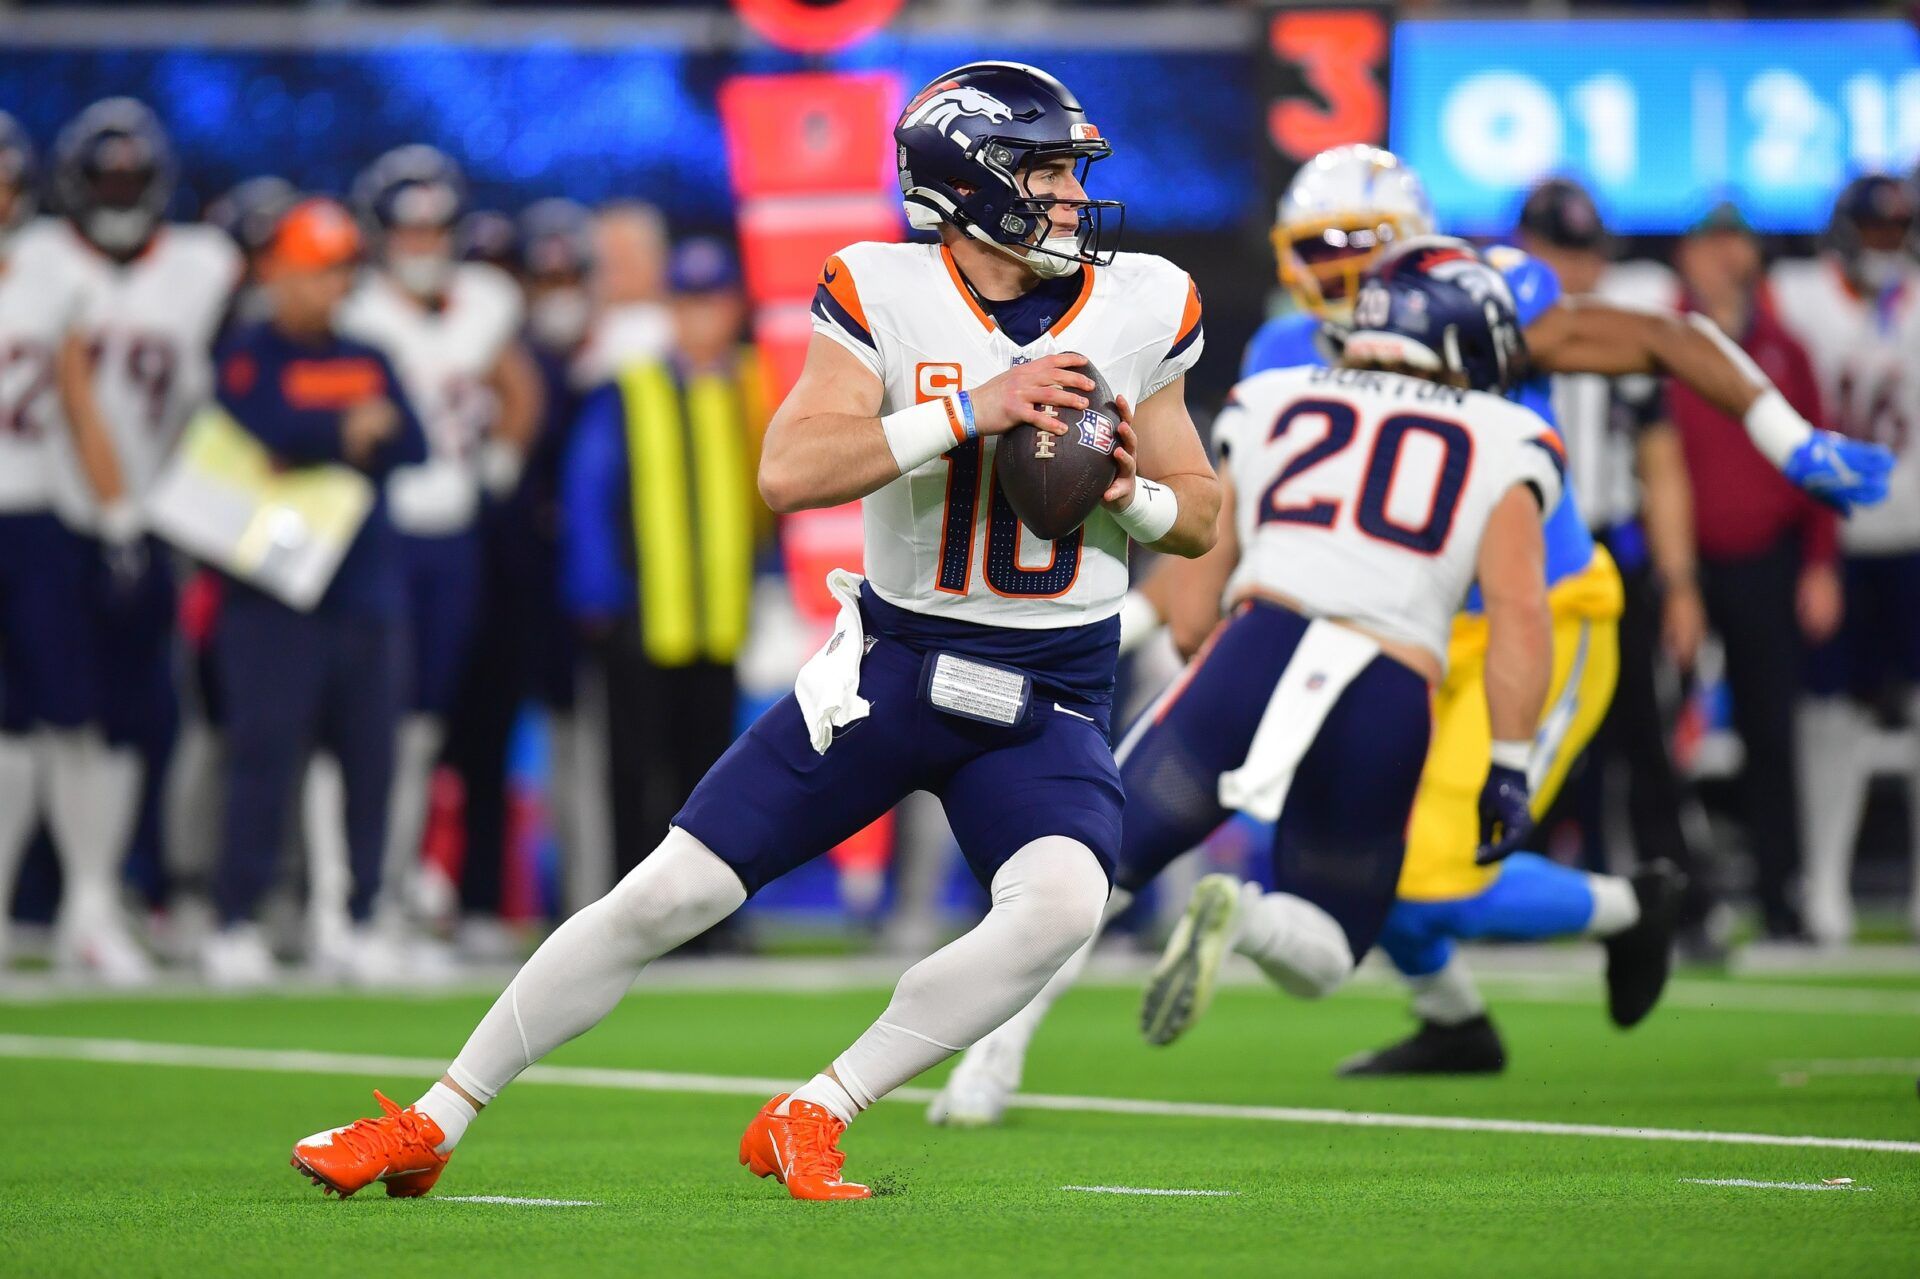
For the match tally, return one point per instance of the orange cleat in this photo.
(798, 1148)
(397, 1148)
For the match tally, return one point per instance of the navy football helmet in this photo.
(1872, 230)
(556, 237)
(964, 144)
(490, 236)
(250, 211)
(113, 174)
(415, 185)
(19, 173)
(1434, 307)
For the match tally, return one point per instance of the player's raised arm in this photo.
(828, 444)
(1165, 494)
(1587, 335)
(1513, 582)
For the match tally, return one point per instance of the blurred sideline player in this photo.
(49, 747)
(451, 329)
(922, 355)
(1344, 209)
(132, 369)
(1856, 310)
(1352, 523)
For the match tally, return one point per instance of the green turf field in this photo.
(133, 1168)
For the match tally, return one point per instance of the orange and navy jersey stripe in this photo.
(1190, 326)
(1550, 443)
(837, 301)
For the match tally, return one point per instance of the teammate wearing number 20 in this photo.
(975, 661)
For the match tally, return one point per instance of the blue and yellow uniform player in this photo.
(1343, 209)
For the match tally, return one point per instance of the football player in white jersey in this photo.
(1856, 309)
(451, 329)
(1364, 504)
(975, 662)
(132, 369)
(48, 709)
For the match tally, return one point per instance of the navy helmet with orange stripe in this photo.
(968, 140)
(1434, 308)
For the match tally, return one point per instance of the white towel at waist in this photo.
(1325, 662)
(828, 686)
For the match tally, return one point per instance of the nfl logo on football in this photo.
(1096, 431)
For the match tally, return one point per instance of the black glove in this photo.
(1506, 814)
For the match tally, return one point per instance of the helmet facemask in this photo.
(1007, 216)
(1322, 259)
(122, 179)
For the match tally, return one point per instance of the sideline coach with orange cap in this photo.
(334, 677)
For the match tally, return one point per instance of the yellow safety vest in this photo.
(691, 485)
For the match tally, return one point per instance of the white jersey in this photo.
(1362, 496)
(444, 358)
(1863, 352)
(39, 304)
(940, 540)
(149, 324)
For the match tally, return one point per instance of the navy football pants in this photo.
(293, 682)
(1342, 834)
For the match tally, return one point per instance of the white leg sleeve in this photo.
(1007, 1044)
(1447, 997)
(93, 795)
(589, 867)
(1296, 943)
(415, 748)
(1047, 901)
(1913, 815)
(1833, 793)
(581, 971)
(323, 825)
(1616, 907)
(19, 808)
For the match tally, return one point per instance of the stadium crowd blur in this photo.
(567, 592)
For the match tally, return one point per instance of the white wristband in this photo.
(1139, 621)
(120, 523)
(919, 434)
(500, 467)
(1775, 428)
(1151, 513)
(1514, 755)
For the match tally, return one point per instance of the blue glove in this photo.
(1843, 473)
(1506, 814)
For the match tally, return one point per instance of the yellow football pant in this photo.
(1586, 663)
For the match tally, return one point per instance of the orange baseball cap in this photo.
(316, 234)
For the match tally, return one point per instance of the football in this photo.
(1053, 482)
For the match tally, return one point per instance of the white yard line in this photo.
(300, 1061)
(1558, 976)
(516, 1200)
(1147, 1190)
(1849, 1066)
(1768, 1185)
